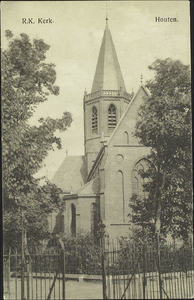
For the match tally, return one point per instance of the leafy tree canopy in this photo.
(164, 125)
(27, 80)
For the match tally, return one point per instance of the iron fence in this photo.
(39, 275)
(134, 274)
(127, 272)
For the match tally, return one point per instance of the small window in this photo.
(126, 138)
(94, 119)
(112, 120)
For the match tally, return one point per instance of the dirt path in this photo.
(73, 290)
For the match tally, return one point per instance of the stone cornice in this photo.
(107, 94)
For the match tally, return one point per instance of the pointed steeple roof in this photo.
(108, 74)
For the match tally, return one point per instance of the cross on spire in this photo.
(106, 13)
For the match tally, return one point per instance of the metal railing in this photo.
(126, 272)
(134, 274)
(41, 277)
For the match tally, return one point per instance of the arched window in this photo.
(73, 220)
(112, 118)
(93, 218)
(126, 138)
(137, 179)
(120, 196)
(94, 119)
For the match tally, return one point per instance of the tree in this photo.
(27, 80)
(164, 125)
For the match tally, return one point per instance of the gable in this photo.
(123, 133)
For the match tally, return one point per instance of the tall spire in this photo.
(108, 74)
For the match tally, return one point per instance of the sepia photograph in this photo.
(97, 195)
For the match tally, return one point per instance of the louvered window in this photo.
(112, 118)
(94, 119)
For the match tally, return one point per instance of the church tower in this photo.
(106, 103)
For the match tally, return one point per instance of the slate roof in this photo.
(72, 173)
(108, 74)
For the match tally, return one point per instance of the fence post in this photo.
(22, 262)
(103, 271)
(63, 272)
(28, 276)
(27, 263)
(8, 271)
(63, 267)
(159, 270)
(144, 271)
(102, 235)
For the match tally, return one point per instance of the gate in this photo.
(36, 275)
(133, 273)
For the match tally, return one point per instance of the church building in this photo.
(98, 185)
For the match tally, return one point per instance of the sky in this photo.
(75, 36)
